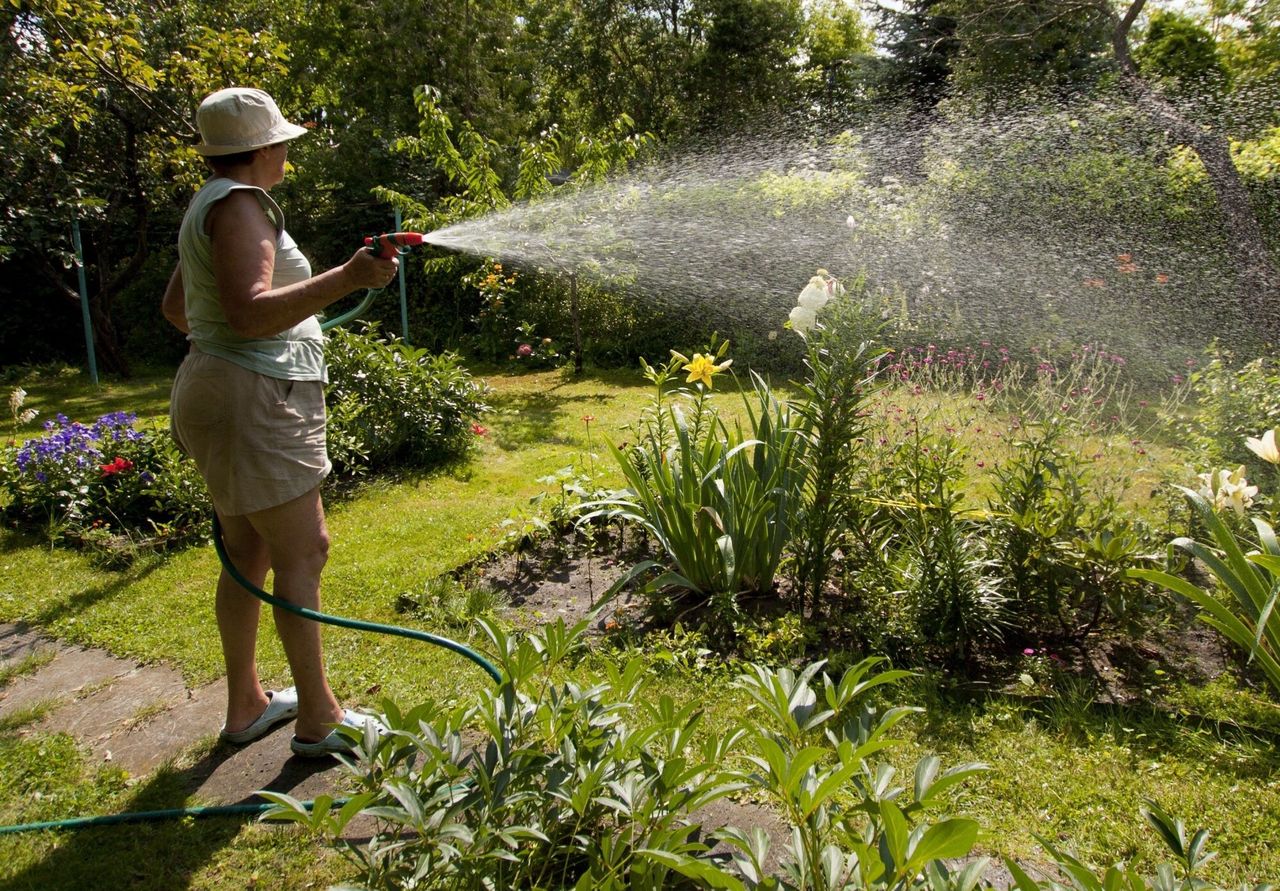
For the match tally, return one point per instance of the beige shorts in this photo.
(258, 441)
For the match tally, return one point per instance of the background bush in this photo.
(392, 405)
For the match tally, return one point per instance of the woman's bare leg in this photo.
(237, 611)
(297, 544)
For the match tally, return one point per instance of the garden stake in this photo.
(387, 245)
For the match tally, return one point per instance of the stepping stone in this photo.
(72, 670)
(19, 641)
(112, 710)
(192, 716)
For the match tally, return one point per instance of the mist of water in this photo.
(972, 225)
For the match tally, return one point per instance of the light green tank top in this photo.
(296, 354)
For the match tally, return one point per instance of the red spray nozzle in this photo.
(389, 243)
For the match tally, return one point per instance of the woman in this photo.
(248, 406)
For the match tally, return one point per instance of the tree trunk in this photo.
(1258, 280)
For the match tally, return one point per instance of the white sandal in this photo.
(282, 706)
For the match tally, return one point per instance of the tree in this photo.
(1011, 29)
(836, 45)
(921, 49)
(746, 71)
(97, 128)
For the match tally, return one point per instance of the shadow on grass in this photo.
(530, 418)
(166, 854)
(77, 603)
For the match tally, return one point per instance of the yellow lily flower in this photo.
(701, 368)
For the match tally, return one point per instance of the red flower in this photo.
(479, 430)
(119, 465)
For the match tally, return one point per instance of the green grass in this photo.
(45, 777)
(1073, 770)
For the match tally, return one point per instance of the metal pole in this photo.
(404, 301)
(84, 301)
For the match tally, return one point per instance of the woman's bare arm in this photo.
(244, 256)
(174, 305)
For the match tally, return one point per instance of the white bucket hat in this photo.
(239, 119)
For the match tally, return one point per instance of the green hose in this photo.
(230, 810)
(357, 624)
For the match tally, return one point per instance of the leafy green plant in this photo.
(959, 598)
(392, 405)
(1247, 616)
(720, 501)
(599, 785)
(1233, 401)
(841, 363)
(1076, 875)
(1064, 546)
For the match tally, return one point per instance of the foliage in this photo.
(96, 125)
(602, 784)
(1234, 400)
(720, 501)
(1063, 547)
(1250, 581)
(599, 785)
(391, 405)
(841, 360)
(104, 482)
(1181, 52)
(959, 597)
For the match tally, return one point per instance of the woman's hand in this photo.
(366, 270)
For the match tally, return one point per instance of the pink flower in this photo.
(524, 351)
(1028, 652)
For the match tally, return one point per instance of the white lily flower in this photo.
(1239, 494)
(803, 319)
(1265, 448)
(814, 296)
(1208, 486)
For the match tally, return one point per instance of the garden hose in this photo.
(397, 242)
(387, 245)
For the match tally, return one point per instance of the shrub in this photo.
(1250, 581)
(104, 482)
(600, 785)
(391, 405)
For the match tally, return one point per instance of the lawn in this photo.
(1062, 767)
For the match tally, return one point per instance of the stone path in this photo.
(140, 717)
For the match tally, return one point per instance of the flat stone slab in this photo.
(19, 641)
(115, 708)
(267, 763)
(196, 714)
(71, 671)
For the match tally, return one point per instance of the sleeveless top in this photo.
(295, 354)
